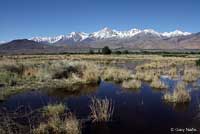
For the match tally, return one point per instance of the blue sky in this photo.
(29, 18)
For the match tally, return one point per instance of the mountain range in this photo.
(134, 39)
(106, 33)
(130, 39)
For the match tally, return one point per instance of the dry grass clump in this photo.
(91, 73)
(82, 71)
(191, 75)
(61, 69)
(116, 74)
(21, 68)
(158, 64)
(180, 95)
(101, 110)
(157, 83)
(145, 75)
(56, 125)
(72, 125)
(173, 72)
(51, 74)
(132, 84)
(53, 109)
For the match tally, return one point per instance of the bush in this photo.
(106, 50)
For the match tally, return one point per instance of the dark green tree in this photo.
(106, 50)
(118, 52)
(198, 62)
(125, 52)
(91, 51)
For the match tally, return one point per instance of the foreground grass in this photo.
(56, 125)
(55, 119)
(54, 109)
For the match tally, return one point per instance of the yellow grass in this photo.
(157, 83)
(116, 74)
(191, 74)
(54, 109)
(132, 84)
(55, 125)
(180, 95)
(101, 110)
(145, 75)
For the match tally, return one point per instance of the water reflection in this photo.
(84, 90)
(179, 107)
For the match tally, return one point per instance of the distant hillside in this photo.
(22, 44)
(25, 46)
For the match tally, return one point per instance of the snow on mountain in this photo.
(2, 42)
(77, 36)
(104, 33)
(107, 33)
(175, 33)
(48, 39)
(151, 31)
(129, 33)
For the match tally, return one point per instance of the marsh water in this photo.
(135, 111)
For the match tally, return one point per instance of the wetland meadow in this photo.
(95, 94)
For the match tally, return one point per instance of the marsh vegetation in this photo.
(64, 79)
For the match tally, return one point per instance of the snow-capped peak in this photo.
(107, 33)
(151, 31)
(77, 36)
(175, 33)
(104, 33)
